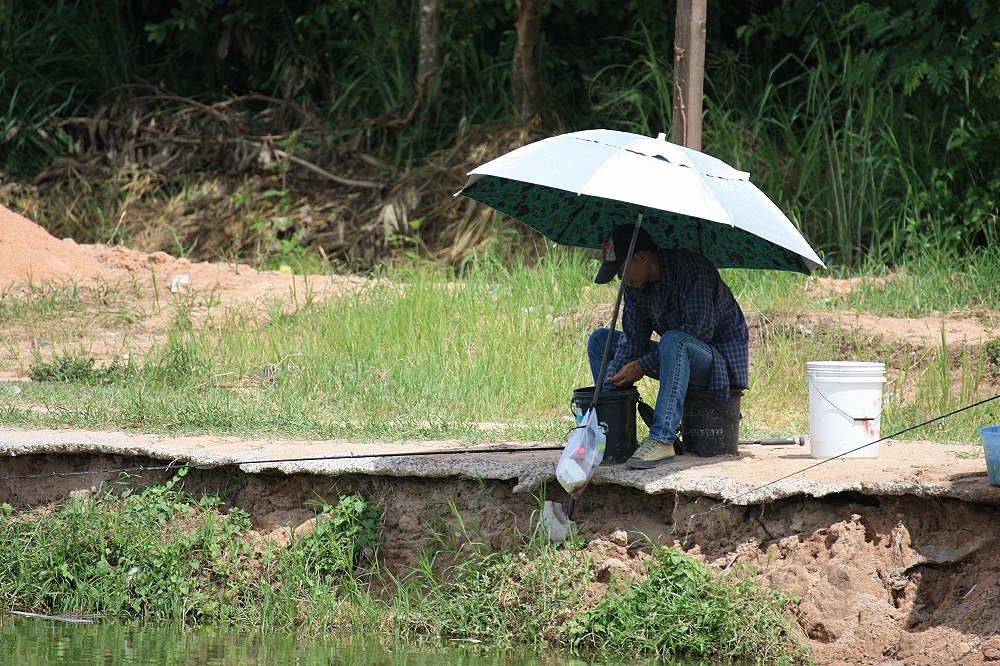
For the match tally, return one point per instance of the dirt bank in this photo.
(887, 571)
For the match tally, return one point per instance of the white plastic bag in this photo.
(583, 453)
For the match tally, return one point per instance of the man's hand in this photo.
(628, 375)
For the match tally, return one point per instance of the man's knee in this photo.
(597, 340)
(674, 339)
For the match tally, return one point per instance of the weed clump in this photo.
(79, 369)
(683, 608)
(161, 553)
(465, 590)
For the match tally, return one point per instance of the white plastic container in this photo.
(845, 408)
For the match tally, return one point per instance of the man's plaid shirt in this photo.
(690, 297)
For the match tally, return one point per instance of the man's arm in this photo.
(634, 345)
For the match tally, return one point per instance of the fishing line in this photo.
(730, 500)
(348, 456)
(117, 470)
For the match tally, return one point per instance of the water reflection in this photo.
(34, 642)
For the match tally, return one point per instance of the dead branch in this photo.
(349, 182)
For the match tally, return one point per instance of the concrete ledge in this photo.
(758, 475)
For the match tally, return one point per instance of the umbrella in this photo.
(575, 188)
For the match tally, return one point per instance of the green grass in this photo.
(684, 608)
(141, 553)
(423, 353)
(158, 552)
(463, 589)
(418, 354)
(39, 302)
(933, 284)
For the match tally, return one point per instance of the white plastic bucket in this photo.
(845, 408)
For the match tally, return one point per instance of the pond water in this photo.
(34, 642)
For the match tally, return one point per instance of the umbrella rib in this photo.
(570, 219)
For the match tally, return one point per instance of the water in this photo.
(34, 642)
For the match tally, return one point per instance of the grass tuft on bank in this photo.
(684, 608)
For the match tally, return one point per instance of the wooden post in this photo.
(527, 77)
(429, 55)
(689, 72)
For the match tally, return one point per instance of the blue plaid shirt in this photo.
(690, 297)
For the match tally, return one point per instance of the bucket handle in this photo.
(856, 419)
(640, 404)
(729, 417)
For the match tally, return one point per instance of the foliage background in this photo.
(874, 125)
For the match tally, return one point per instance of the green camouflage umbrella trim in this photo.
(585, 221)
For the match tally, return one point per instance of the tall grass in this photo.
(457, 343)
(415, 355)
(60, 57)
(932, 283)
(639, 94)
(817, 142)
(492, 353)
(841, 149)
(876, 137)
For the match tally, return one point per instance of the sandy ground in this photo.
(893, 557)
(147, 289)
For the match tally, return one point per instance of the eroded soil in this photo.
(894, 579)
(881, 579)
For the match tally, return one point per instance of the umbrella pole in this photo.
(599, 380)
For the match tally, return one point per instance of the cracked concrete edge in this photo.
(529, 470)
(529, 476)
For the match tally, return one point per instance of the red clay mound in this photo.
(28, 253)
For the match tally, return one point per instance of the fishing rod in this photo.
(273, 461)
(798, 440)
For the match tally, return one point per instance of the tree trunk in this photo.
(689, 72)
(527, 73)
(429, 59)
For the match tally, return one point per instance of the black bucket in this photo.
(710, 427)
(615, 409)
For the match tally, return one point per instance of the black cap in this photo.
(615, 250)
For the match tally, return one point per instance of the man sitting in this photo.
(704, 340)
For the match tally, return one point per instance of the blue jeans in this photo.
(684, 360)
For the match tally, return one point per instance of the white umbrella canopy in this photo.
(575, 188)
